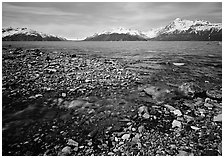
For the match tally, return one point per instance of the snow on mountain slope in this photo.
(10, 32)
(179, 25)
(121, 30)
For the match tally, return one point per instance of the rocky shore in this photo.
(67, 103)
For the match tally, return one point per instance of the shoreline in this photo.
(63, 103)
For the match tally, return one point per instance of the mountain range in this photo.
(25, 34)
(177, 30)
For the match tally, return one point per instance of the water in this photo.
(202, 60)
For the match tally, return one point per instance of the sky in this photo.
(77, 20)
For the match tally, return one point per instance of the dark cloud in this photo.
(80, 19)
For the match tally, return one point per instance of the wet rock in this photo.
(110, 154)
(176, 123)
(75, 103)
(184, 153)
(60, 100)
(76, 149)
(169, 107)
(93, 133)
(72, 143)
(63, 94)
(157, 93)
(218, 118)
(177, 113)
(214, 94)
(195, 128)
(146, 115)
(66, 150)
(141, 129)
(143, 112)
(125, 136)
(189, 90)
(188, 118)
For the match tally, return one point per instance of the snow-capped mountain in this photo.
(25, 34)
(118, 34)
(176, 30)
(121, 30)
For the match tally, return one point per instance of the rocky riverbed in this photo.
(69, 103)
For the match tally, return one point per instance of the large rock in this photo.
(189, 90)
(214, 94)
(66, 150)
(158, 94)
(176, 123)
(75, 103)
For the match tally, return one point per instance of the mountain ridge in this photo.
(178, 29)
(25, 34)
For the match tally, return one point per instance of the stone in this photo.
(169, 107)
(89, 143)
(38, 95)
(157, 93)
(76, 148)
(218, 118)
(189, 89)
(75, 103)
(176, 123)
(63, 94)
(146, 115)
(214, 94)
(188, 118)
(208, 105)
(182, 153)
(141, 129)
(195, 128)
(177, 113)
(72, 142)
(125, 136)
(116, 139)
(66, 150)
(142, 109)
(60, 100)
(110, 153)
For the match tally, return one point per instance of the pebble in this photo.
(76, 148)
(208, 105)
(72, 143)
(176, 123)
(63, 94)
(171, 108)
(182, 153)
(195, 128)
(146, 115)
(141, 129)
(177, 112)
(75, 103)
(218, 118)
(110, 153)
(214, 94)
(116, 139)
(38, 95)
(125, 136)
(60, 100)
